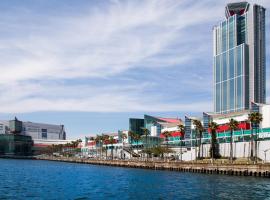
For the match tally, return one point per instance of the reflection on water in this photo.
(30, 179)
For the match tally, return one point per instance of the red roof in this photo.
(174, 134)
(225, 127)
(170, 120)
(92, 143)
(108, 142)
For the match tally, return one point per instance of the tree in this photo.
(98, 142)
(199, 129)
(213, 150)
(146, 132)
(233, 125)
(104, 140)
(79, 140)
(167, 134)
(91, 138)
(158, 151)
(68, 147)
(111, 142)
(255, 118)
(137, 138)
(131, 135)
(123, 136)
(182, 130)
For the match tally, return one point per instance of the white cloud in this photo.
(99, 44)
(32, 97)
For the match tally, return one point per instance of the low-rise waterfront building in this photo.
(38, 131)
(15, 145)
(43, 135)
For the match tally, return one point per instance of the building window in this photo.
(218, 67)
(231, 66)
(44, 133)
(239, 61)
(232, 96)
(239, 102)
(231, 32)
(224, 66)
(224, 36)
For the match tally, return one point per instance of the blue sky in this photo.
(91, 65)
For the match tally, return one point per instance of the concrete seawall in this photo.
(258, 170)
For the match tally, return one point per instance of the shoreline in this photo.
(256, 170)
(18, 157)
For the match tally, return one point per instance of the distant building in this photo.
(42, 135)
(38, 131)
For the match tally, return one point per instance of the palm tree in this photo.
(67, 148)
(199, 129)
(60, 148)
(104, 140)
(137, 138)
(182, 130)
(146, 133)
(233, 125)
(131, 135)
(134, 137)
(86, 143)
(213, 126)
(123, 136)
(91, 138)
(167, 134)
(79, 141)
(255, 118)
(111, 142)
(98, 141)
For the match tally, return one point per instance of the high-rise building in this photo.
(239, 58)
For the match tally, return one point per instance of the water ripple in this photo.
(30, 179)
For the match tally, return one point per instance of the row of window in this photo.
(230, 95)
(231, 64)
(230, 33)
(188, 123)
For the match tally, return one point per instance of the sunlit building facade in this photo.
(239, 58)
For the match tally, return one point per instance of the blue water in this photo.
(30, 179)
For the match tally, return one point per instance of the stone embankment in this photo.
(258, 170)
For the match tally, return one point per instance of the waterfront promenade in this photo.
(237, 169)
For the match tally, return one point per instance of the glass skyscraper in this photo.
(239, 58)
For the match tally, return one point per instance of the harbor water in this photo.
(37, 179)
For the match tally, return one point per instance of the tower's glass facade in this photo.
(234, 70)
(231, 66)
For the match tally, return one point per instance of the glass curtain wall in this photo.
(230, 66)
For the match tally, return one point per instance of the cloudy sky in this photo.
(92, 64)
